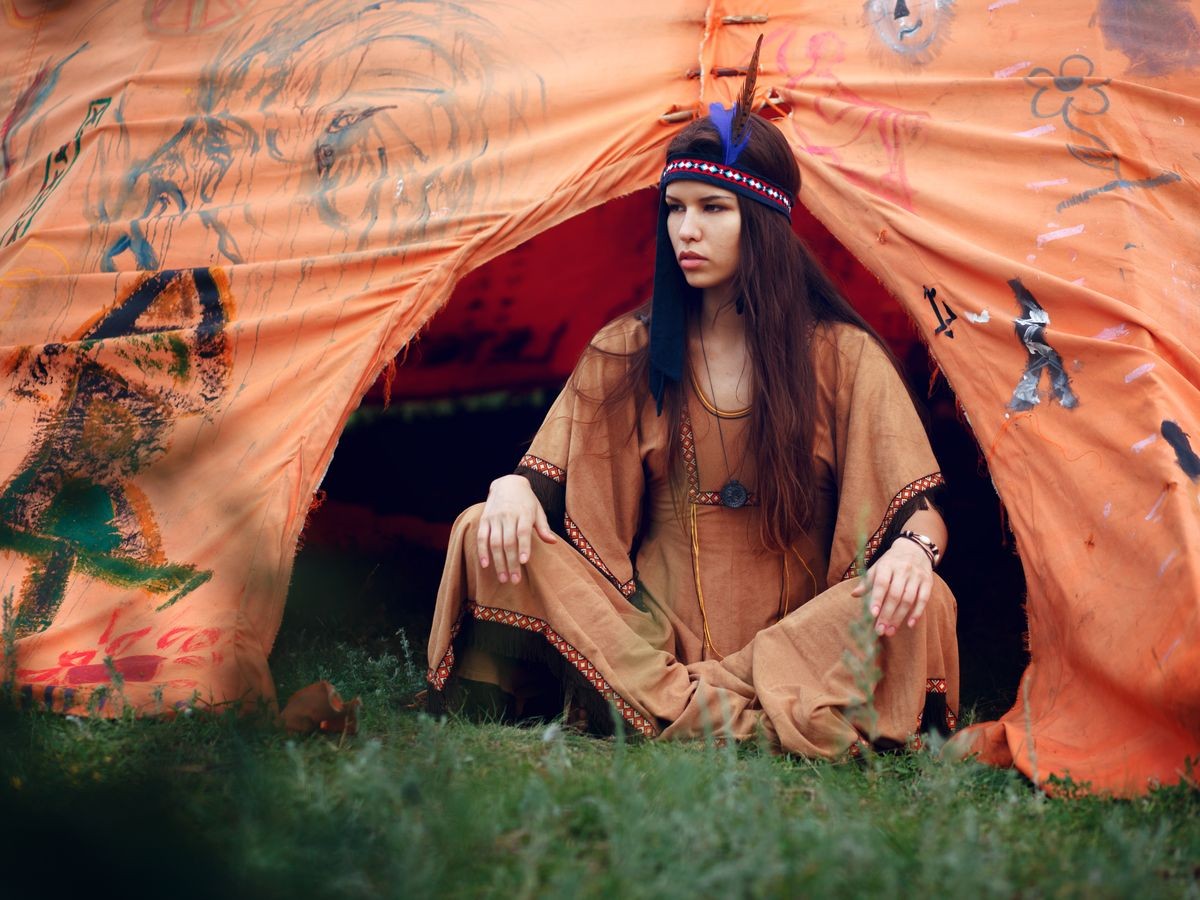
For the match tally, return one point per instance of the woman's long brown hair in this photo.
(784, 292)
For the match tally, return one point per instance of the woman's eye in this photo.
(674, 207)
(714, 207)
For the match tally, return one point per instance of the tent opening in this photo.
(466, 398)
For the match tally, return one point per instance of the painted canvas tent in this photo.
(222, 220)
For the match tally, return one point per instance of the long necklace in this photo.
(734, 494)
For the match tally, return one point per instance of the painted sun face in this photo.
(911, 30)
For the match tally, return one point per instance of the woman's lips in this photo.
(691, 261)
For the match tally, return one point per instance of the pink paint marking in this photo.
(1038, 185)
(1013, 69)
(125, 641)
(112, 621)
(1153, 514)
(1111, 334)
(1171, 649)
(132, 668)
(201, 639)
(1035, 132)
(1144, 443)
(1139, 372)
(851, 118)
(1058, 235)
(1167, 562)
(171, 637)
(992, 7)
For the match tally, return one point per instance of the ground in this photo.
(416, 806)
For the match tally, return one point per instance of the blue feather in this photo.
(722, 117)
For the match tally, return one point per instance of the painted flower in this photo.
(1073, 89)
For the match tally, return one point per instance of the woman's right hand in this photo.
(511, 512)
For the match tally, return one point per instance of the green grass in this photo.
(415, 806)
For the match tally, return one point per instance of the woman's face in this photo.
(705, 225)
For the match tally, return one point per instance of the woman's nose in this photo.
(689, 229)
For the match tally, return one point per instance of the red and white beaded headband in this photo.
(740, 181)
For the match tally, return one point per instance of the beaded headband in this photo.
(739, 180)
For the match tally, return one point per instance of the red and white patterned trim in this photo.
(638, 722)
(584, 546)
(581, 543)
(440, 675)
(938, 686)
(935, 686)
(687, 440)
(539, 465)
(757, 188)
(906, 493)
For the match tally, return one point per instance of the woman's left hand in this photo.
(900, 582)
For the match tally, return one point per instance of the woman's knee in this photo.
(467, 522)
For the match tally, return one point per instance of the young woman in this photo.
(680, 548)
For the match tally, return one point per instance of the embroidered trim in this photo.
(584, 546)
(640, 723)
(906, 493)
(938, 686)
(439, 675)
(934, 686)
(687, 439)
(761, 188)
(858, 748)
(539, 465)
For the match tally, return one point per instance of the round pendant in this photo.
(734, 494)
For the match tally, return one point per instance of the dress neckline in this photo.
(712, 407)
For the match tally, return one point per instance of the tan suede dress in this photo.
(663, 605)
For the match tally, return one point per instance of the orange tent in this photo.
(222, 219)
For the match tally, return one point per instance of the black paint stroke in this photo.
(943, 323)
(1031, 331)
(1184, 454)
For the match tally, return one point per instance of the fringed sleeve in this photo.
(585, 462)
(883, 465)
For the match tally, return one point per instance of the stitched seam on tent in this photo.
(640, 723)
(906, 493)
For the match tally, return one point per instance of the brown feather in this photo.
(745, 100)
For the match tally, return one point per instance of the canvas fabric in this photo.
(222, 220)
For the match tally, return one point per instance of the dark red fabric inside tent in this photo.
(521, 320)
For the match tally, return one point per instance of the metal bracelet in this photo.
(925, 543)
